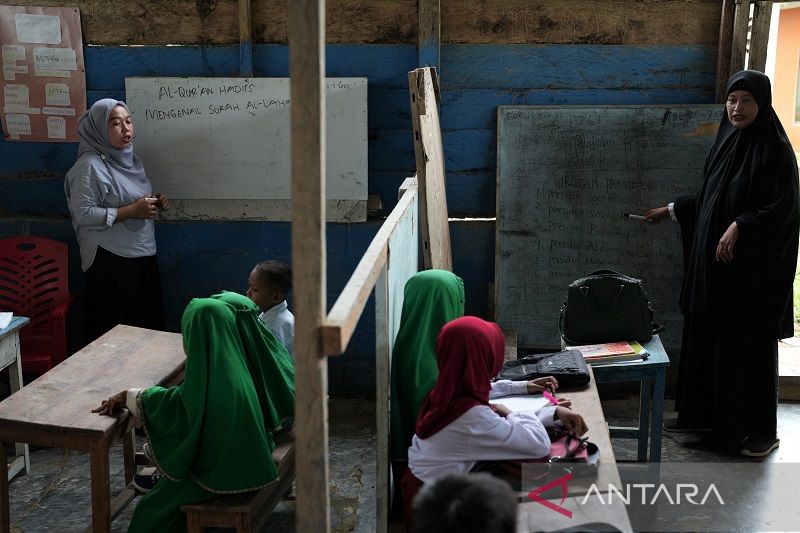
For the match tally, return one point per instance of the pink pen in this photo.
(550, 398)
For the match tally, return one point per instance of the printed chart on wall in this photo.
(565, 178)
(44, 87)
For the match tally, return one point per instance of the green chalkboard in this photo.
(565, 177)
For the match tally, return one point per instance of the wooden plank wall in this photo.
(492, 52)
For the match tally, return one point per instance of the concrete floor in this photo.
(55, 496)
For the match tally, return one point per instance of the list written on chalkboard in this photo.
(566, 176)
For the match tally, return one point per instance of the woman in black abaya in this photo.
(740, 237)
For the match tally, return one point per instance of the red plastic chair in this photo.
(34, 283)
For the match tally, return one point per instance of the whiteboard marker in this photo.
(636, 217)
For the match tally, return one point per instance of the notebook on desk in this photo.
(612, 352)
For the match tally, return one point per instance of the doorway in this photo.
(783, 69)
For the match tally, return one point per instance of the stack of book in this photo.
(612, 352)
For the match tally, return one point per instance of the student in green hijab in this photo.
(208, 436)
(431, 299)
(268, 361)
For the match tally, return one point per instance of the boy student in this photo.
(268, 286)
(465, 503)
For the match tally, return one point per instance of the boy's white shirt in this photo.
(280, 321)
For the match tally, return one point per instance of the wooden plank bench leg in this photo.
(193, 522)
(246, 513)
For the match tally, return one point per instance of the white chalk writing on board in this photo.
(566, 175)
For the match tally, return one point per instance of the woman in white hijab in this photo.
(112, 207)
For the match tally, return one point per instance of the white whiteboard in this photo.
(227, 140)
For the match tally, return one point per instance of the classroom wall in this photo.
(493, 52)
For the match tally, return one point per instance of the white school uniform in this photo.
(506, 387)
(280, 321)
(480, 435)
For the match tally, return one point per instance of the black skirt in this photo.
(728, 375)
(122, 290)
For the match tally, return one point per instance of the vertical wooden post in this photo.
(724, 48)
(759, 36)
(383, 365)
(307, 68)
(741, 21)
(430, 32)
(245, 39)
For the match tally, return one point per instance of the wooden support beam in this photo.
(759, 36)
(383, 367)
(724, 48)
(307, 68)
(245, 39)
(741, 22)
(343, 316)
(425, 96)
(430, 32)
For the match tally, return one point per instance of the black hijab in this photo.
(751, 178)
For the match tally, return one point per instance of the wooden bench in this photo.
(246, 512)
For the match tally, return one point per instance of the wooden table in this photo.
(533, 516)
(10, 358)
(55, 410)
(651, 374)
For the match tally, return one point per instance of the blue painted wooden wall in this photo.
(198, 258)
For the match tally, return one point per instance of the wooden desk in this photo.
(55, 410)
(10, 358)
(651, 375)
(533, 516)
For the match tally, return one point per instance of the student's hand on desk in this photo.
(500, 409)
(564, 402)
(572, 421)
(114, 405)
(539, 385)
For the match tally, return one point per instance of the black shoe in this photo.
(671, 425)
(753, 447)
(144, 483)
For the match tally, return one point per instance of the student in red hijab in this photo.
(457, 427)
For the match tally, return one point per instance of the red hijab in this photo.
(469, 352)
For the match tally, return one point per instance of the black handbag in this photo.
(567, 366)
(606, 306)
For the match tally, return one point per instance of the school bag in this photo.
(606, 306)
(567, 366)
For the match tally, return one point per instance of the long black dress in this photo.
(735, 312)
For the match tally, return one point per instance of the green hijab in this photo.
(211, 428)
(267, 360)
(431, 299)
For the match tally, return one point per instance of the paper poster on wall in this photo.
(43, 83)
